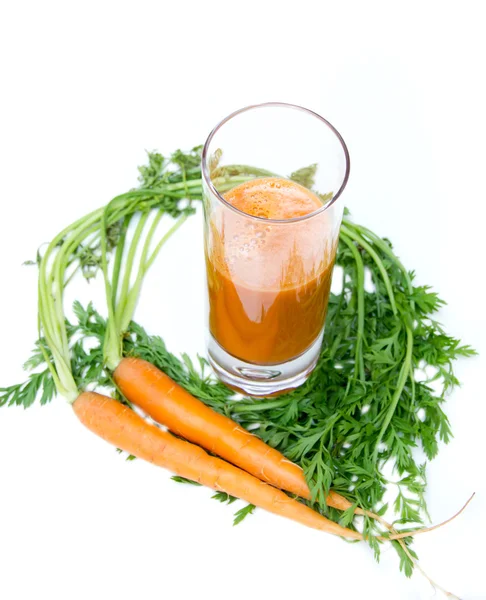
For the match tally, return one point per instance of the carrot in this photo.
(169, 404)
(121, 426)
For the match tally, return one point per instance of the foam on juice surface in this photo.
(273, 198)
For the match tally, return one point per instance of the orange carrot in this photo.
(169, 404)
(122, 427)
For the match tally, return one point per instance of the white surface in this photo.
(86, 87)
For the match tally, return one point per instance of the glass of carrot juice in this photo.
(272, 177)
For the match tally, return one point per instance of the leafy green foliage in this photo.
(224, 498)
(129, 457)
(164, 182)
(39, 385)
(362, 407)
(160, 170)
(305, 176)
(179, 479)
(406, 565)
(330, 425)
(241, 514)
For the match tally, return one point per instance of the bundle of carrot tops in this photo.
(314, 455)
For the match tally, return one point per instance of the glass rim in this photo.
(323, 208)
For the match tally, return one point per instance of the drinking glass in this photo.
(268, 279)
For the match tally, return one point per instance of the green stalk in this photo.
(52, 333)
(52, 276)
(359, 361)
(402, 379)
(112, 344)
(337, 341)
(335, 346)
(128, 269)
(145, 264)
(134, 293)
(183, 185)
(63, 380)
(384, 247)
(79, 232)
(172, 230)
(46, 279)
(53, 314)
(46, 310)
(362, 242)
(119, 213)
(118, 258)
(59, 267)
(57, 382)
(259, 405)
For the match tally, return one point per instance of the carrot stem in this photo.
(133, 294)
(362, 242)
(359, 361)
(157, 249)
(402, 379)
(118, 259)
(128, 268)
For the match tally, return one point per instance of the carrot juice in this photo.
(269, 285)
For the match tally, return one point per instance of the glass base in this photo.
(262, 380)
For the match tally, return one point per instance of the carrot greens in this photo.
(363, 406)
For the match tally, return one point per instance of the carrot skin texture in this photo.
(169, 404)
(122, 427)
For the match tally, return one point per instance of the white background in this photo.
(85, 88)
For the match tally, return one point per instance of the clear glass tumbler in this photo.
(272, 176)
